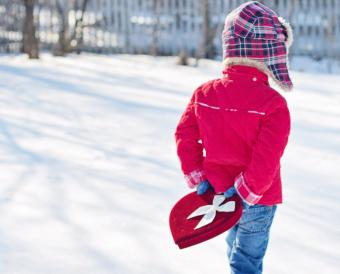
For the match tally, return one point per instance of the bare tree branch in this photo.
(70, 37)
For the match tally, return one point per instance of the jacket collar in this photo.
(246, 73)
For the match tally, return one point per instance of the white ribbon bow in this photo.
(209, 211)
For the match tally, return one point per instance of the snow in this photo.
(89, 170)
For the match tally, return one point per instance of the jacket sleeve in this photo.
(265, 160)
(189, 148)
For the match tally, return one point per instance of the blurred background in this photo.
(90, 94)
(157, 27)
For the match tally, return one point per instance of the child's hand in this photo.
(230, 192)
(203, 187)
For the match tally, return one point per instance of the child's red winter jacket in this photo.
(234, 132)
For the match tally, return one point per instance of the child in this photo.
(243, 125)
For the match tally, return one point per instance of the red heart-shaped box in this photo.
(183, 229)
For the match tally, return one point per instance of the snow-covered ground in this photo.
(89, 170)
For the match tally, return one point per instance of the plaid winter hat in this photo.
(254, 35)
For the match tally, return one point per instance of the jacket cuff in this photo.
(244, 191)
(195, 177)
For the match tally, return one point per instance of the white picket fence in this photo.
(137, 26)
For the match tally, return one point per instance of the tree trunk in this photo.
(29, 40)
(206, 49)
(183, 58)
(61, 48)
(70, 37)
(155, 28)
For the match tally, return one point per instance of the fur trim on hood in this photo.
(289, 30)
(228, 62)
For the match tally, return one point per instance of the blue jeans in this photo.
(248, 239)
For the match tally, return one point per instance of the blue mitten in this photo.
(230, 192)
(203, 187)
